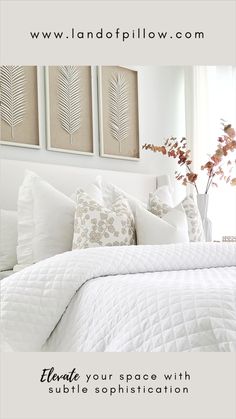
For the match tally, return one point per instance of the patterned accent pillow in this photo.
(96, 225)
(157, 206)
(195, 228)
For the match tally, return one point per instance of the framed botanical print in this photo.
(118, 112)
(19, 87)
(69, 109)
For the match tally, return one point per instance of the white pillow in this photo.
(195, 228)
(111, 192)
(93, 191)
(8, 239)
(45, 221)
(151, 229)
(96, 225)
(164, 194)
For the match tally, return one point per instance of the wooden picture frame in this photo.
(58, 127)
(118, 112)
(20, 106)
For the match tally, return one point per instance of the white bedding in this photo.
(178, 297)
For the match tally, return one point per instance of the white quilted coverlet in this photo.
(178, 297)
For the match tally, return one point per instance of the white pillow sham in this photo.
(151, 229)
(164, 194)
(8, 239)
(195, 228)
(96, 225)
(45, 221)
(111, 192)
(93, 191)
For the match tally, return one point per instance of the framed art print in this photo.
(69, 109)
(19, 86)
(118, 112)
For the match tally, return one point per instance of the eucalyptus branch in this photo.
(211, 180)
(193, 183)
(214, 166)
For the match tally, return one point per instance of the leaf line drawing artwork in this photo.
(13, 98)
(119, 107)
(69, 94)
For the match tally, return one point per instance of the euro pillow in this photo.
(8, 239)
(111, 192)
(96, 225)
(164, 194)
(93, 191)
(195, 228)
(45, 221)
(151, 229)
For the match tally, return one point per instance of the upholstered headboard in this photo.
(67, 179)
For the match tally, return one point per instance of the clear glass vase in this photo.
(202, 201)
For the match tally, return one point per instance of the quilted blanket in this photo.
(139, 298)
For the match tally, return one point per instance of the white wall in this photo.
(161, 106)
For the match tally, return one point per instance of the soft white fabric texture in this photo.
(171, 228)
(161, 207)
(93, 191)
(8, 239)
(111, 192)
(164, 194)
(135, 298)
(45, 221)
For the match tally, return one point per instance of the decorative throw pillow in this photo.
(45, 221)
(171, 228)
(8, 239)
(96, 225)
(195, 229)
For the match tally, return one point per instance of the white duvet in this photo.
(139, 298)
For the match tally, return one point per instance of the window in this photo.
(210, 96)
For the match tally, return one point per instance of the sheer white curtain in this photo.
(211, 95)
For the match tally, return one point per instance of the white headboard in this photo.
(67, 179)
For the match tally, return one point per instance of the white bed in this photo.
(175, 297)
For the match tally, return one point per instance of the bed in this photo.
(154, 298)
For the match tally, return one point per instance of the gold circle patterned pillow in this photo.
(96, 225)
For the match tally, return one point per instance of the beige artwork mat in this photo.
(26, 131)
(58, 139)
(119, 112)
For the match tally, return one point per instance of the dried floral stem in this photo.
(209, 182)
(194, 183)
(214, 166)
